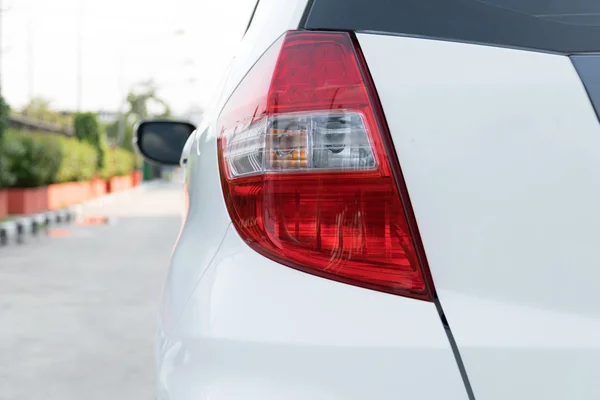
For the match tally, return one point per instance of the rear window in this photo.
(564, 26)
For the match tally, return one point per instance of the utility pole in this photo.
(80, 55)
(2, 11)
(122, 97)
(1, 46)
(30, 55)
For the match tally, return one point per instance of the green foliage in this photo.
(119, 162)
(33, 159)
(4, 114)
(126, 162)
(40, 109)
(88, 129)
(139, 161)
(6, 176)
(79, 161)
(112, 131)
(102, 150)
(37, 159)
(123, 138)
(7, 149)
(128, 138)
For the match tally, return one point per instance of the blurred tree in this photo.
(142, 102)
(4, 113)
(112, 131)
(143, 98)
(88, 129)
(6, 177)
(37, 107)
(40, 108)
(128, 136)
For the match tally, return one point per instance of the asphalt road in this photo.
(78, 310)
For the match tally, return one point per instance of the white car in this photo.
(391, 199)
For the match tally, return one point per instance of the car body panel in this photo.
(255, 329)
(500, 151)
(197, 245)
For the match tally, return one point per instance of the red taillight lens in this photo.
(305, 171)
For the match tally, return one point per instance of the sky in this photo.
(184, 45)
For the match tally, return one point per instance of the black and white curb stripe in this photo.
(18, 229)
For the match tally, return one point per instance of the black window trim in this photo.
(505, 28)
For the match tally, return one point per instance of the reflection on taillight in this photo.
(305, 172)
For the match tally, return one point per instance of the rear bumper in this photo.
(255, 329)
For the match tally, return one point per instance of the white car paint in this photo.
(197, 245)
(234, 324)
(254, 329)
(185, 154)
(473, 127)
(515, 275)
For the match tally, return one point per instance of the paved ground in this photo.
(77, 310)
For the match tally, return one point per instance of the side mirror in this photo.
(162, 141)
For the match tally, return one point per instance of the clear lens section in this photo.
(340, 141)
(300, 142)
(244, 149)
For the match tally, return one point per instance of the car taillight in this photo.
(305, 171)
